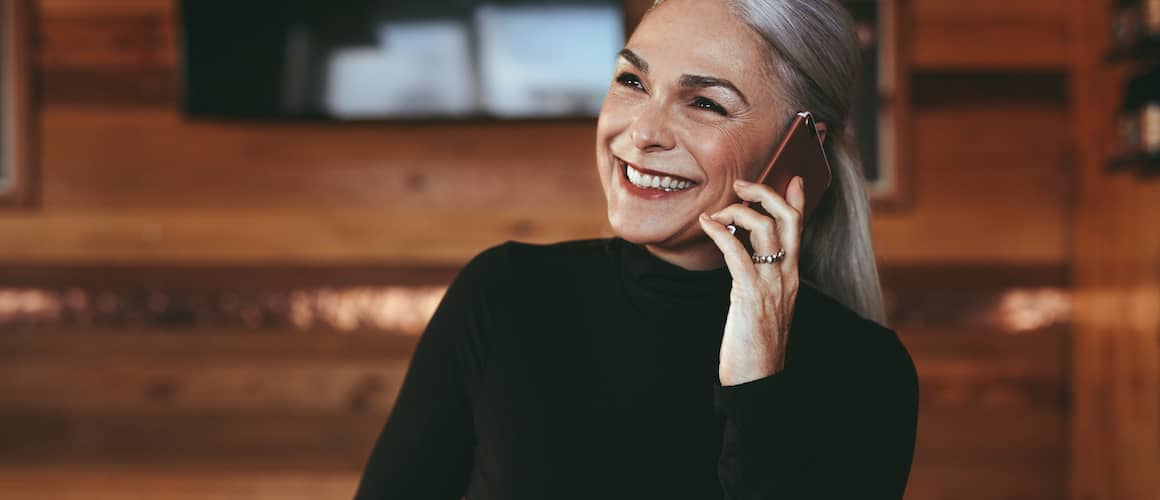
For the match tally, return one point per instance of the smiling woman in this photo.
(668, 361)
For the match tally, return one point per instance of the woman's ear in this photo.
(821, 128)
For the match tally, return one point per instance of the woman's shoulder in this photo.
(834, 335)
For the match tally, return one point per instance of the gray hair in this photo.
(815, 58)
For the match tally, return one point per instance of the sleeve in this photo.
(782, 440)
(425, 449)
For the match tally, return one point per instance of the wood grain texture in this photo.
(247, 441)
(109, 482)
(152, 387)
(226, 345)
(161, 373)
(992, 184)
(156, 158)
(125, 177)
(244, 194)
(1115, 427)
(200, 401)
(447, 236)
(107, 35)
(127, 181)
(986, 35)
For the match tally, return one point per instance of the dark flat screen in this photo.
(380, 59)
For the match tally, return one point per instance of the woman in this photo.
(667, 362)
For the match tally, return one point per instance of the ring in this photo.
(769, 259)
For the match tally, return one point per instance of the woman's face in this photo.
(689, 111)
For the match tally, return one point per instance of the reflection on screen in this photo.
(374, 59)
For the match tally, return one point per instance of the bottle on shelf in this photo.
(1128, 133)
(1135, 26)
(1127, 17)
(1150, 18)
(1150, 121)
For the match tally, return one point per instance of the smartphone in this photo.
(799, 154)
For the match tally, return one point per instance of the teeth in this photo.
(646, 181)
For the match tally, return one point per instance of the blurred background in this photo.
(219, 243)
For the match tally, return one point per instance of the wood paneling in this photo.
(70, 346)
(126, 178)
(329, 235)
(990, 34)
(991, 415)
(107, 35)
(192, 482)
(1115, 429)
(237, 277)
(155, 158)
(992, 184)
(128, 181)
(215, 404)
(228, 400)
(150, 386)
(251, 441)
(145, 185)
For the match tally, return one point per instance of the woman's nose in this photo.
(650, 129)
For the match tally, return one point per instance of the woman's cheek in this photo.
(743, 149)
(720, 151)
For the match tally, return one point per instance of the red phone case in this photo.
(799, 154)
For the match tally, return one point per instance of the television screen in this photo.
(383, 59)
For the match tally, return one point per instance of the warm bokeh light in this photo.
(1025, 310)
(393, 309)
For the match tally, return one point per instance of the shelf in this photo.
(1144, 165)
(1144, 48)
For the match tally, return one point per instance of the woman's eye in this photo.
(707, 104)
(630, 80)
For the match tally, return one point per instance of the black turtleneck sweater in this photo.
(588, 369)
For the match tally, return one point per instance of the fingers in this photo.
(787, 212)
(736, 257)
(762, 229)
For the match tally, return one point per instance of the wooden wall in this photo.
(126, 181)
(125, 177)
(1115, 429)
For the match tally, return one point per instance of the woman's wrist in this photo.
(763, 364)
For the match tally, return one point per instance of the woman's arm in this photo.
(845, 430)
(849, 433)
(425, 450)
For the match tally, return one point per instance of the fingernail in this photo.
(802, 183)
(703, 216)
(741, 183)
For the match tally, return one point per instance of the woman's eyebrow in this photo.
(687, 81)
(634, 59)
(700, 82)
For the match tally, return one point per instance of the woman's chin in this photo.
(643, 233)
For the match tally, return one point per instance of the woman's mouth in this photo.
(654, 181)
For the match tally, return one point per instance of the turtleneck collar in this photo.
(646, 274)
